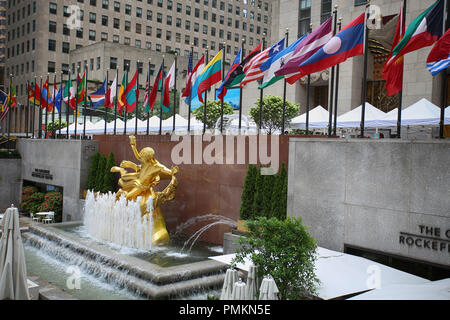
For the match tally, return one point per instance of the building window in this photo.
(66, 30)
(127, 41)
(51, 45)
(51, 67)
(116, 23)
(325, 10)
(128, 9)
(66, 12)
(139, 12)
(53, 7)
(360, 2)
(65, 47)
(138, 28)
(105, 4)
(116, 6)
(138, 43)
(148, 31)
(149, 15)
(104, 36)
(105, 21)
(92, 35)
(92, 17)
(115, 38)
(305, 17)
(113, 63)
(127, 26)
(52, 26)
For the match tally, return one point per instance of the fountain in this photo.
(123, 238)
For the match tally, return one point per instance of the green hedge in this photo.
(100, 178)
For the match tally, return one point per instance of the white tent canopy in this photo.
(434, 290)
(352, 119)
(421, 113)
(318, 118)
(342, 274)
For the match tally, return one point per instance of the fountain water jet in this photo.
(119, 222)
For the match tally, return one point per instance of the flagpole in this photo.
(27, 111)
(106, 109)
(9, 108)
(76, 103)
(337, 89)
(444, 76)
(190, 95)
(330, 108)
(308, 92)
(40, 111)
(86, 70)
(61, 104)
(175, 94)
(240, 89)
(160, 105)
(46, 106)
(206, 95)
(69, 83)
(33, 111)
(137, 100)
(116, 98)
(366, 55)
(124, 109)
(261, 91)
(53, 104)
(284, 89)
(148, 95)
(222, 98)
(399, 110)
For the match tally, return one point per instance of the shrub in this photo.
(284, 250)
(100, 173)
(93, 171)
(279, 194)
(248, 192)
(53, 202)
(109, 178)
(258, 199)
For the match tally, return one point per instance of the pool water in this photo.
(169, 255)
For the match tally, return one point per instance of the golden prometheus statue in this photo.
(140, 183)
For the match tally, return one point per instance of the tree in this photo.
(272, 117)
(100, 173)
(53, 127)
(284, 250)
(279, 194)
(213, 112)
(258, 199)
(109, 179)
(92, 176)
(268, 184)
(248, 192)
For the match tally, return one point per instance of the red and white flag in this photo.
(252, 70)
(111, 94)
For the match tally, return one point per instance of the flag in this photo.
(111, 94)
(52, 102)
(121, 91)
(156, 86)
(187, 89)
(69, 94)
(305, 49)
(12, 99)
(169, 83)
(222, 90)
(98, 97)
(32, 97)
(46, 99)
(147, 92)
(422, 32)
(252, 70)
(129, 97)
(57, 100)
(192, 92)
(4, 107)
(276, 62)
(81, 88)
(349, 42)
(210, 75)
(393, 72)
(439, 57)
(238, 74)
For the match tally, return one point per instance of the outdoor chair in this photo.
(34, 218)
(50, 218)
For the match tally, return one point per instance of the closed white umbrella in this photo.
(239, 289)
(13, 271)
(251, 288)
(268, 290)
(227, 290)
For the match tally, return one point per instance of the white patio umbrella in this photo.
(239, 289)
(13, 271)
(231, 277)
(252, 283)
(269, 289)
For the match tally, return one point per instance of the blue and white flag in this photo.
(98, 97)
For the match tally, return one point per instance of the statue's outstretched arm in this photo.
(133, 147)
(130, 165)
